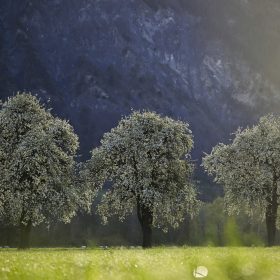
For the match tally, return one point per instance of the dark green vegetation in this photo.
(156, 264)
(211, 227)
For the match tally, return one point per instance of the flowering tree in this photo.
(249, 170)
(146, 159)
(36, 165)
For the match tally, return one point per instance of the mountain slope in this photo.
(212, 63)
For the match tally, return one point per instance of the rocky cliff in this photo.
(214, 63)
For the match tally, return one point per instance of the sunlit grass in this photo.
(158, 263)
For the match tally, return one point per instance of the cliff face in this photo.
(214, 63)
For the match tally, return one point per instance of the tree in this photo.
(37, 154)
(146, 159)
(249, 170)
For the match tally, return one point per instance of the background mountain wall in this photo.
(213, 63)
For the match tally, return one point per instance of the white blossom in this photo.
(37, 163)
(144, 159)
(249, 167)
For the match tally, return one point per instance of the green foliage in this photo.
(146, 158)
(37, 163)
(232, 234)
(214, 227)
(212, 220)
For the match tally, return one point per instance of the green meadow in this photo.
(157, 263)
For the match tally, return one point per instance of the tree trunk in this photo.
(145, 217)
(25, 236)
(271, 216)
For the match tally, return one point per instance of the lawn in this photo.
(158, 263)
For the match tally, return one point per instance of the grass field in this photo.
(158, 263)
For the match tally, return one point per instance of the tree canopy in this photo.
(146, 159)
(37, 164)
(249, 170)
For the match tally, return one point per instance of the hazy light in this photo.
(200, 272)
